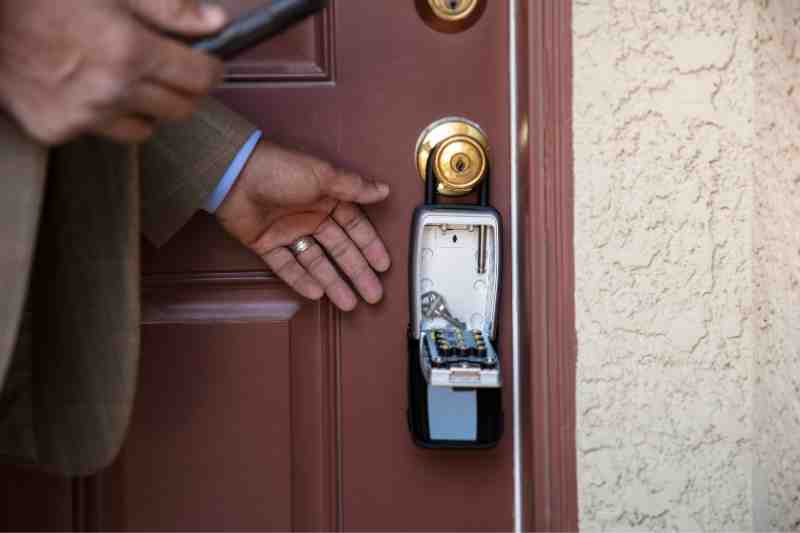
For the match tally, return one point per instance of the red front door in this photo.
(260, 410)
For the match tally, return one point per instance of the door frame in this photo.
(547, 341)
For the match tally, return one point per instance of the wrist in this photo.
(241, 191)
(249, 173)
(238, 171)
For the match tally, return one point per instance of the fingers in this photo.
(347, 255)
(363, 233)
(350, 187)
(182, 68)
(145, 103)
(356, 250)
(186, 17)
(286, 267)
(321, 269)
(126, 129)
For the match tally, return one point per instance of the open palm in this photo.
(282, 196)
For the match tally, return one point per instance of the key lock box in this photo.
(454, 379)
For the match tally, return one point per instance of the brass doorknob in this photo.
(461, 155)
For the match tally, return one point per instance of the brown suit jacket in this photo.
(70, 220)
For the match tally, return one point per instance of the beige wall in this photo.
(687, 212)
(776, 267)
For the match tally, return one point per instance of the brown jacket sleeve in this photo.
(183, 163)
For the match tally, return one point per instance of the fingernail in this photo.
(346, 300)
(214, 15)
(317, 293)
(375, 296)
(383, 189)
(384, 265)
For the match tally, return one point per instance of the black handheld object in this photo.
(258, 25)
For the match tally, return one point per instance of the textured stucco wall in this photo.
(687, 170)
(776, 262)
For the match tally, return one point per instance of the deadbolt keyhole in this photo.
(457, 14)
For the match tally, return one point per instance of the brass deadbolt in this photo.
(461, 157)
(452, 10)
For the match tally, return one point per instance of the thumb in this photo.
(353, 188)
(183, 17)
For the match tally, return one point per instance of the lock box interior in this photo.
(456, 255)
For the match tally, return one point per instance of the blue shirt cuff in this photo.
(229, 178)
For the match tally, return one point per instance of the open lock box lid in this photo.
(456, 261)
(455, 399)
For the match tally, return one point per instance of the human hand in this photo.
(282, 196)
(103, 66)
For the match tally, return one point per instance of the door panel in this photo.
(231, 424)
(301, 55)
(227, 432)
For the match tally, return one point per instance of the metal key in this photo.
(434, 306)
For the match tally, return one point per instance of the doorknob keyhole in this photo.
(461, 154)
(460, 163)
